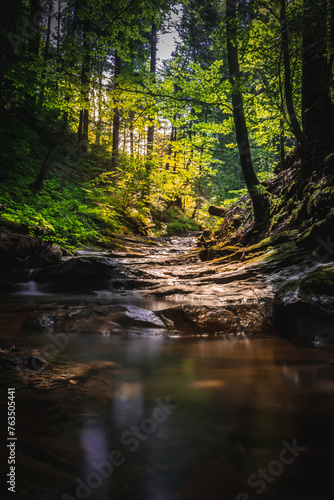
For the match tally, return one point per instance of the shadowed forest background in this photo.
(100, 137)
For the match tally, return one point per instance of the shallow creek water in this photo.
(132, 417)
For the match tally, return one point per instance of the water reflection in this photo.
(128, 402)
(94, 444)
(191, 419)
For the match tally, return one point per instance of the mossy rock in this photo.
(304, 307)
(273, 240)
(219, 251)
(319, 233)
(320, 201)
(319, 282)
(16, 227)
(286, 254)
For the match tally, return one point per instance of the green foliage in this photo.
(173, 221)
(195, 159)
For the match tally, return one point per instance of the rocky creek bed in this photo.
(161, 287)
(93, 342)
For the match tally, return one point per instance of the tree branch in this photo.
(175, 98)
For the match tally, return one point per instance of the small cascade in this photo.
(28, 287)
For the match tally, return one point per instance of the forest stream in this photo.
(166, 381)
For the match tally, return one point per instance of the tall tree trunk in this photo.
(46, 53)
(48, 30)
(10, 41)
(331, 42)
(131, 116)
(99, 110)
(172, 139)
(256, 192)
(33, 52)
(282, 143)
(150, 131)
(83, 128)
(116, 119)
(34, 38)
(58, 29)
(43, 170)
(294, 123)
(317, 107)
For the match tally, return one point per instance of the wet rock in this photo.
(193, 320)
(19, 251)
(7, 286)
(35, 363)
(249, 319)
(103, 320)
(141, 317)
(12, 359)
(304, 308)
(319, 237)
(78, 271)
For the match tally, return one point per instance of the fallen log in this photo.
(217, 211)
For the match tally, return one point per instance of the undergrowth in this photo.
(81, 203)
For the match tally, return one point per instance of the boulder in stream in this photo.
(11, 358)
(237, 319)
(97, 320)
(304, 308)
(81, 271)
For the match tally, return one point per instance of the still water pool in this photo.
(156, 418)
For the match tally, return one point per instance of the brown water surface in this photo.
(169, 418)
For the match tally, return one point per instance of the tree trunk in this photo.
(99, 110)
(46, 53)
(48, 30)
(42, 173)
(58, 30)
(150, 131)
(317, 107)
(282, 143)
(132, 115)
(83, 128)
(116, 119)
(33, 52)
(294, 123)
(331, 42)
(34, 38)
(256, 191)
